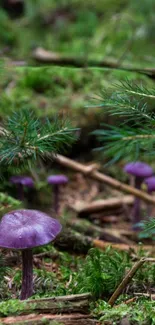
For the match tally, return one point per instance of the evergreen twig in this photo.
(24, 138)
(135, 136)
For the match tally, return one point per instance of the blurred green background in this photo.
(119, 31)
(107, 30)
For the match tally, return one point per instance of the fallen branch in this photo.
(128, 279)
(43, 56)
(57, 305)
(99, 205)
(74, 241)
(123, 247)
(127, 302)
(107, 216)
(74, 298)
(34, 319)
(147, 295)
(86, 170)
(88, 228)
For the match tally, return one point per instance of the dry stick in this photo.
(60, 304)
(128, 278)
(65, 319)
(127, 302)
(99, 205)
(43, 56)
(103, 245)
(47, 57)
(91, 172)
(142, 294)
(78, 303)
(108, 234)
(67, 298)
(71, 240)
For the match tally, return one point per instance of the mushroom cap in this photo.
(138, 169)
(150, 182)
(57, 179)
(24, 180)
(21, 229)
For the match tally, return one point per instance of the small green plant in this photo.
(11, 307)
(46, 283)
(105, 313)
(140, 312)
(101, 272)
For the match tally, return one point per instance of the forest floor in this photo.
(82, 50)
(88, 261)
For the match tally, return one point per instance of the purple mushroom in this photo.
(25, 229)
(21, 182)
(150, 182)
(140, 170)
(57, 181)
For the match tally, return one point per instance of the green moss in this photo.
(8, 36)
(99, 273)
(11, 307)
(62, 91)
(107, 29)
(140, 312)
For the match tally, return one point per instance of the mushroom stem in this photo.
(27, 277)
(56, 198)
(149, 207)
(20, 192)
(136, 208)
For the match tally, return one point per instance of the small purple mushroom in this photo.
(23, 230)
(140, 170)
(57, 181)
(150, 182)
(22, 181)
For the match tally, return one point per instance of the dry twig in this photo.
(65, 319)
(69, 163)
(88, 228)
(43, 56)
(100, 205)
(128, 279)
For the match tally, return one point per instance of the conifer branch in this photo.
(135, 137)
(137, 90)
(24, 138)
(125, 106)
(139, 136)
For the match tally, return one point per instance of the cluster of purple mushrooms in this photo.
(25, 229)
(27, 182)
(143, 173)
